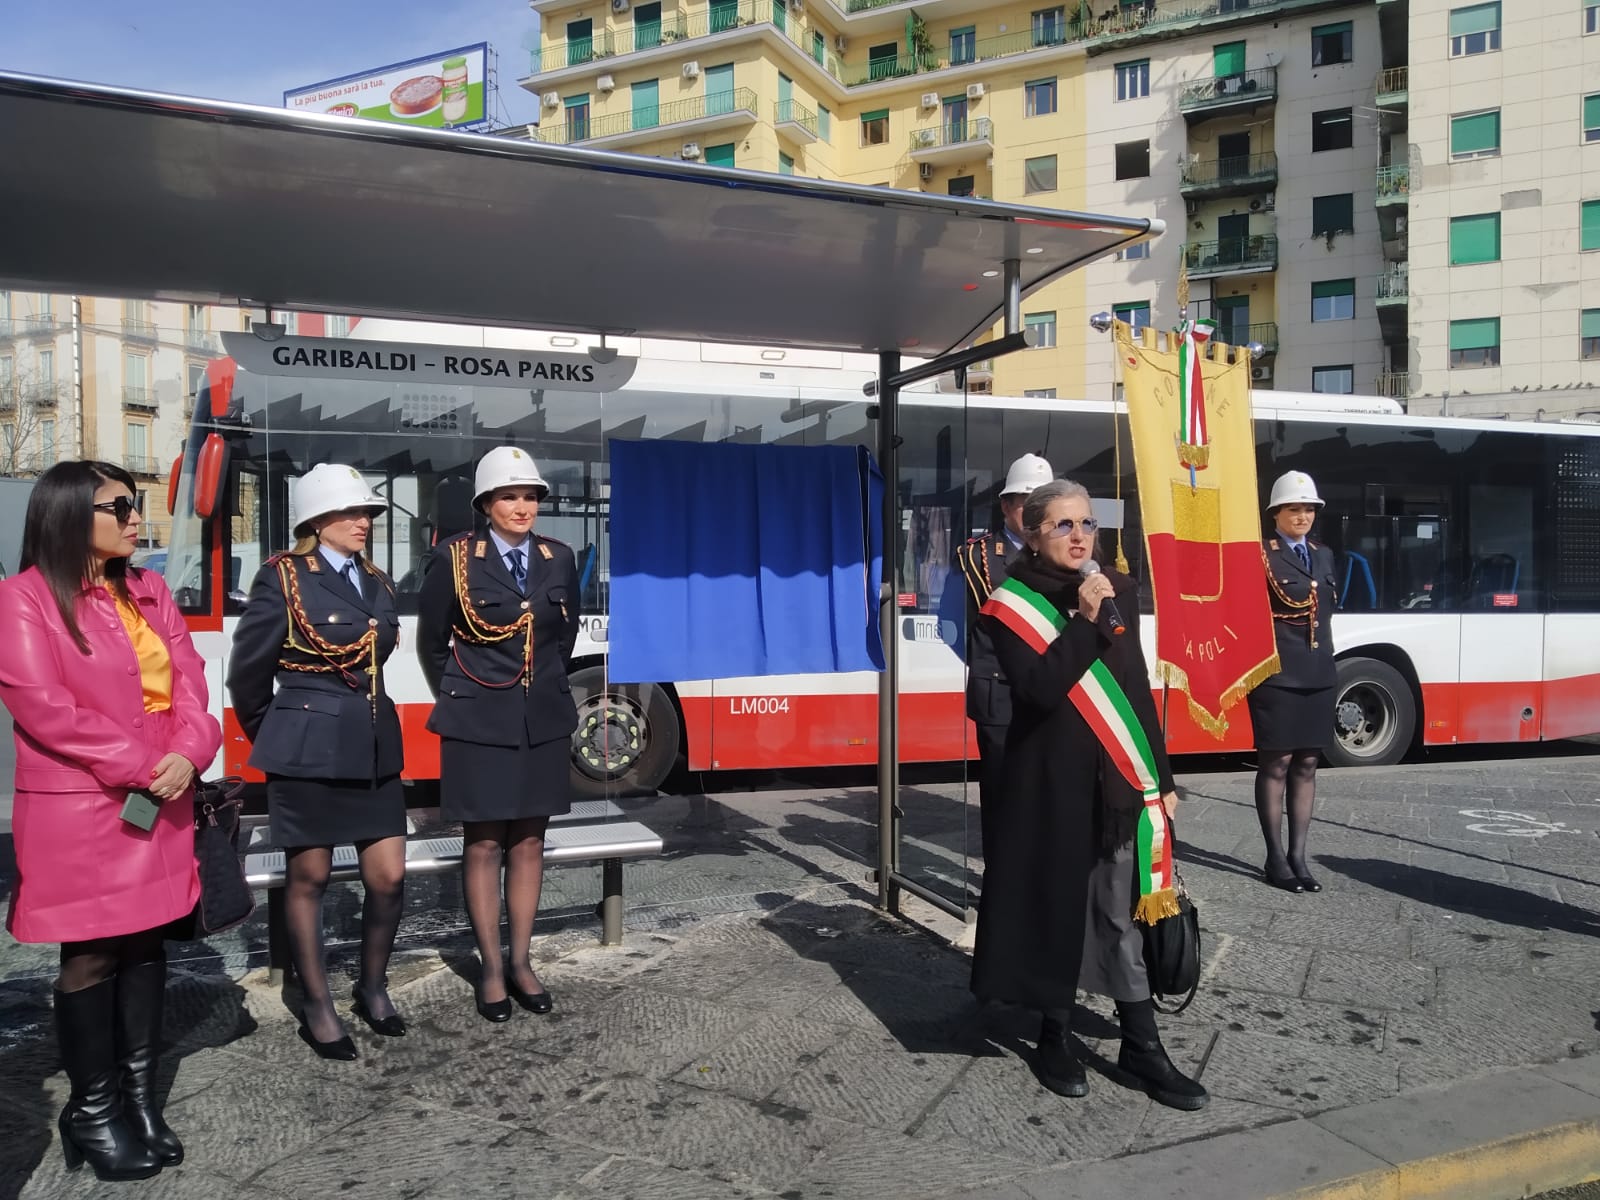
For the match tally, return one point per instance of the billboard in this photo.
(447, 90)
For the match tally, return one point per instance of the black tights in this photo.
(1279, 772)
(85, 964)
(519, 846)
(383, 873)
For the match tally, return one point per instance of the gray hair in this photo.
(1040, 498)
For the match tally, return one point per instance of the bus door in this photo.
(1501, 696)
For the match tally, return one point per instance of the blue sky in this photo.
(255, 51)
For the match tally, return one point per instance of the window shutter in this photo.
(1591, 322)
(1591, 112)
(1591, 224)
(1479, 18)
(1480, 131)
(1333, 287)
(1475, 239)
(876, 114)
(1481, 333)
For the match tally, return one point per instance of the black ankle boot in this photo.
(141, 996)
(1145, 1058)
(1059, 1068)
(92, 1125)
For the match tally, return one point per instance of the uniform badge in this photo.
(545, 550)
(481, 549)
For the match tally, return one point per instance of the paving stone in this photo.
(635, 1179)
(1163, 1127)
(1253, 965)
(1303, 928)
(871, 1079)
(1296, 1076)
(792, 986)
(647, 1033)
(1357, 1027)
(1344, 977)
(761, 1057)
(895, 1166)
(1448, 947)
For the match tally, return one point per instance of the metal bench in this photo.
(590, 833)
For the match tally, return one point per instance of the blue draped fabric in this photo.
(743, 560)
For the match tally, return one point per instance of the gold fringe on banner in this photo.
(1215, 723)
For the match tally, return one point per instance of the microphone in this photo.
(1109, 615)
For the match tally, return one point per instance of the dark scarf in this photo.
(1118, 804)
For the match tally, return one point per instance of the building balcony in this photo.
(1143, 20)
(38, 326)
(201, 341)
(1394, 184)
(1201, 99)
(135, 330)
(1392, 296)
(139, 399)
(1263, 333)
(952, 141)
(1253, 255)
(140, 464)
(1394, 385)
(9, 328)
(794, 121)
(698, 114)
(1393, 89)
(1234, 176)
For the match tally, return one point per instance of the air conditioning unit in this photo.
(605, 84)
(1256, 204)
(930, 99)
(926, 171)
(690, 150)
(551, 99)
(1191, 207)
(1261, 374)
(841, 43)
(691, 70)
(974, 91)
(619, 6)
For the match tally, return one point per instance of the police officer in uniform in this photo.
(498, 619)
(1292, 712)
(981, 564)
(320, 622)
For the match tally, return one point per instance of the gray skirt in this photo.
(1113, 947)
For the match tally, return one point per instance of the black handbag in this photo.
(225, 897)
(1172, 952)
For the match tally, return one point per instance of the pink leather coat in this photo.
(83, 741)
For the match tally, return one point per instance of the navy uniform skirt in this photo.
(1286, 718)
(504, 783)
(333, 812)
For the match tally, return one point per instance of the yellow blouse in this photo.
(155, 664)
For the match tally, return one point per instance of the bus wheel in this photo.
(1374, 715)
(627, 736)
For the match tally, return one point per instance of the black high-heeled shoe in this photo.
(1287, 883)
(391, 1026)
(498, 1011)
(534, 1002)
(1305, 878)
(338, 1050)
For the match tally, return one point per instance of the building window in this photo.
(961, 185)
(8, 372)
(1333, 214)
(1591, 333)
(196, 379)
(1135, 313)
(1039, 175)
(1474, 239)
(1043, 328)
(44, 304)
(1591, 18)
(47, 443)
(1137, 250)
(1475, 343)
(134, 373)
(1040, 98)
(1050, 26)
(875, 127)
(785, 164)
(1039, 393)
(1333, 300)
(577, 114)
(1133, 160)
(136, 445)
(1332, 44)
(1475, 135)
(963, 46)
(1133, 79)
(1332, 129)
(824, 123)
(720, 155)
(1474, 29)
(1591, 225)
(1334, 381)
(1591, 120)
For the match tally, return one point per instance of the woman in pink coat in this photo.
(108, 699)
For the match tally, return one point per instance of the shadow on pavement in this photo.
(1469, 896)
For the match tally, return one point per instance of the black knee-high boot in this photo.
(1145, 1058)
(92, 1125)
(1059, 1068)
(141, 997)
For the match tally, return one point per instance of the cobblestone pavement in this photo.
(763, 1031)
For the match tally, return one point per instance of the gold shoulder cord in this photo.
(475, 631)
(1300, 610)
(334, 657)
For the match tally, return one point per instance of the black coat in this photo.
(980, 568)
(324, 720)
(1058, 784)
(1289, 587)
(477, 684)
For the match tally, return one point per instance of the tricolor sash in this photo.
(1102, 703)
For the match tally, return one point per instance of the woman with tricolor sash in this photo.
(1082, 847)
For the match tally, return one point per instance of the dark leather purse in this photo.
(1172, 953)
(225, 897)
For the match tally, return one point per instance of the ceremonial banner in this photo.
(1194, 454)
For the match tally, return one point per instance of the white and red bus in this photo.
(1469, 550)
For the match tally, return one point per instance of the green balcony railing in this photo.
(675, 112)
(1254, 252)
(1240, 88)
(1235, 170)
(791, 112)
(1394, 180)
(953, 133)
(1394, 81)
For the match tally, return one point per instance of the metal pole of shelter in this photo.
(888, 396)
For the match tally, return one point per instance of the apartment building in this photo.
(86, 377)
(1489, 204)
(1246, 124)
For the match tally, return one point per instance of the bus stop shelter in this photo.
(146, 196)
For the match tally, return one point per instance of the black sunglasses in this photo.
(122, 508)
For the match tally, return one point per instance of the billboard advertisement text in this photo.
(446, 90)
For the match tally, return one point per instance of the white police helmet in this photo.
(1027, 473)
(329, 488)
(1293, 487)
(506, 466)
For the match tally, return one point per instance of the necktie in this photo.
(349, 573)
(518, 572)
(1305, 556)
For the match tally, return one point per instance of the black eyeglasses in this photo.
(122, 508)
